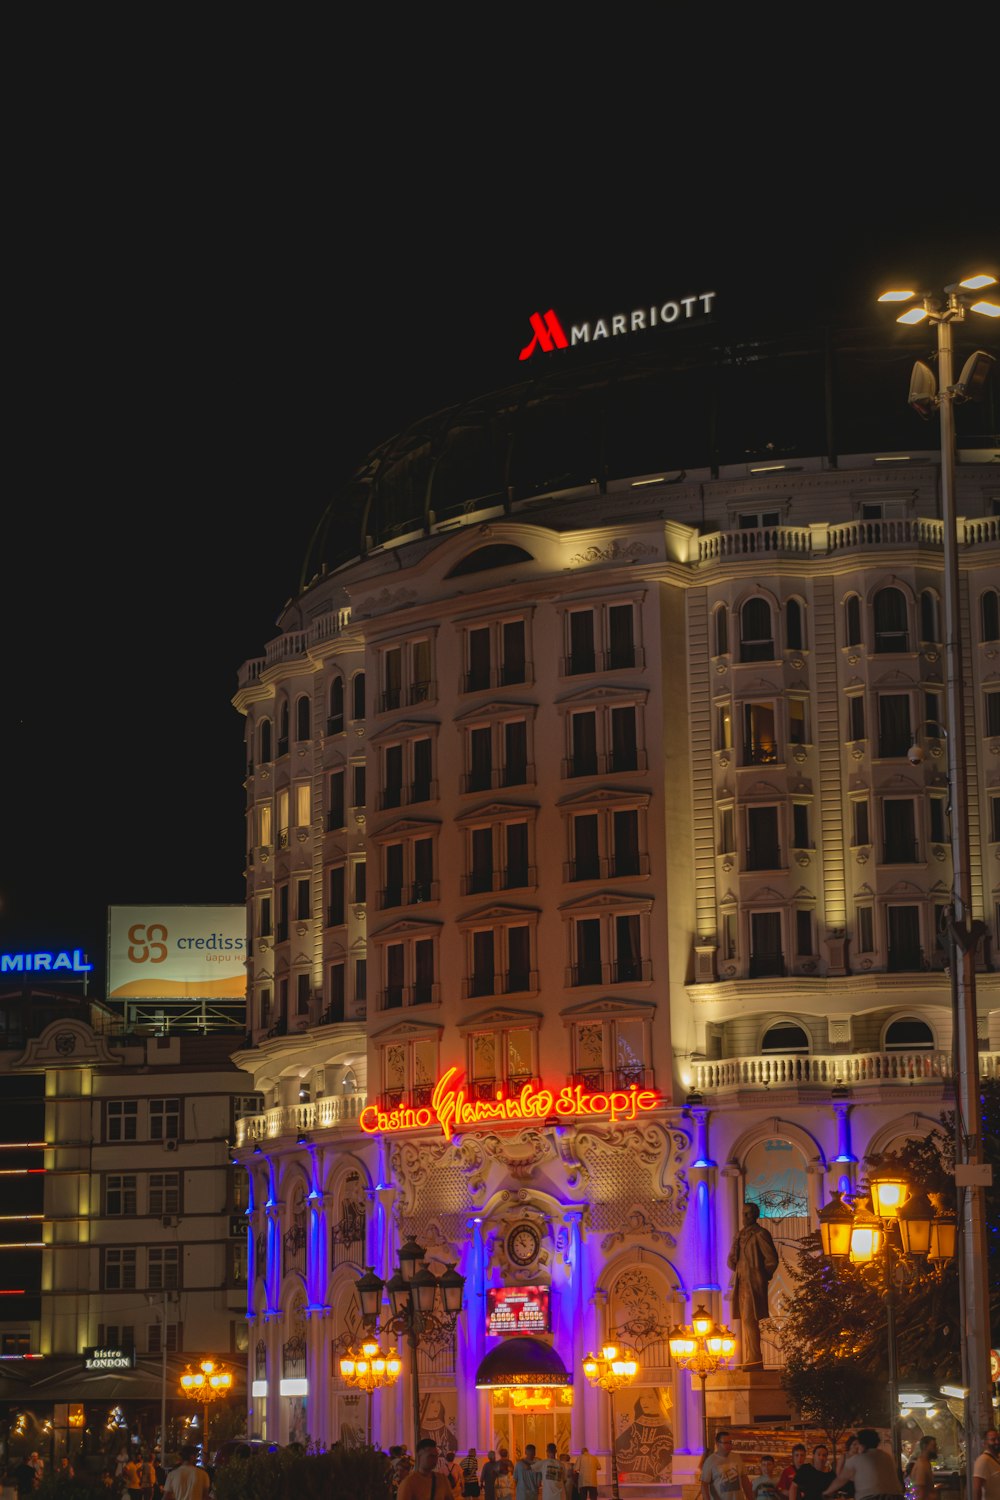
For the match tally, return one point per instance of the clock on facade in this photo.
(523, 1244)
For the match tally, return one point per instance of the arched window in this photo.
(283, 728)
(756, 635)
(784, 1036)
(335, 723)
(794, 626)
(721, 631)
(265, 741)
(852, 620)
(302, 718)
(358, 690)
(989, 616)
(891, 631)
(930, 629)
(907, 1033)
(496, 555)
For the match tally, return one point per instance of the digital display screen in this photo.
(517, 1309)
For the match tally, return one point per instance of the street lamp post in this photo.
(900, 1228)
(210, 1382)
(703, 1347)
(368, 1369)
(610, 1371)
(925, 394)
(413, 1292)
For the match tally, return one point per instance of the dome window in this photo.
(908, 1033)
(497, 555)
(785, 1037)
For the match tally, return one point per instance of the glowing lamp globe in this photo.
(888, 1195)
(701, 1322)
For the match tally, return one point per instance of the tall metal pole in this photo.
(890, 1319)
(163, 1384)
(611, 1447)
(972, 1219)
(414, 1379)
(704, 1416)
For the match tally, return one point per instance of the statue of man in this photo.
(754, 1258)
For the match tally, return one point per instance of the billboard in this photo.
(177, 952)
(517, 1309)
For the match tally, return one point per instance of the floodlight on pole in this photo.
(963, 930)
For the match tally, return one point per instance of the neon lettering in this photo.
(453, 1110)
(39, 963)
(548, 332)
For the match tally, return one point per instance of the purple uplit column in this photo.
(845, 1159)
(470, 1343)
(704, 1282)
(597, 1417)
(579, 1298)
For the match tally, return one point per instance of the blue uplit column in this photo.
(470, 1349)
(319, 1398)
(705, 1283)
(580, 1295)
(845, 1160)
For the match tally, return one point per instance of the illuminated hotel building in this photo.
(603, 782)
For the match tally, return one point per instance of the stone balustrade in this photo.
(298, 1119)
(826, 1070)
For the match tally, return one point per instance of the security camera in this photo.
(916, 755)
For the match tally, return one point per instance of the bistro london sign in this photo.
(452, 1109)
(109, 1359)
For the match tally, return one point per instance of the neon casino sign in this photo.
(452, 1109)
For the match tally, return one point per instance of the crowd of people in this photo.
(131, 1476)
(435, 1475)
(865, 1472)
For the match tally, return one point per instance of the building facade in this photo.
(134, 1244)
(608, 790)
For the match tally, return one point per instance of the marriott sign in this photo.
(548, 332)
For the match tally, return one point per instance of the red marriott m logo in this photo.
(548, 335)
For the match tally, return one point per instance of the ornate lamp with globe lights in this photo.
(610, 1371)
(211, 1381)
(425, 1307)
(368, 1369)
(906, 1234)
(703, 1347)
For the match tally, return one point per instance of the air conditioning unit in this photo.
(169, 1221)
(170, 1143)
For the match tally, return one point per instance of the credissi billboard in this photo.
(177, 952)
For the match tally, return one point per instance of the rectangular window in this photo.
(586, 859)
(937, 820)
(628, 950)
(993, 713)
(481, 863)
(760, 745)
(803, 933)
(165, 1192)
(420, 787)
(864, 926)
(163, 1268)
(767, 958)
(420, 671)
(727, 831)
(303, 804)
(120, 1196)
(119, 1270)
(515, 752)
(899, 831)
(478, 676)
(358, 790)
(423, 870)
(728, 935)
(164, 1119)
(336, 913)
(512, 646)
(302, 988)
(394, 968)
(264, 824)
(856, 717)
(359, 879)
(588, 951)
(335, 817)
(621, 637)
(154, 1343)
(480, 778)
(894, 735)
(518, 975)
(515, 855)
(265, 1008)
(483, 964)
(798, 732)
(581, 642)
(995, 820)
(583, 736)
(392, 783)
(266, 919)
(625, 842)
(932, 713)
(800, 825)
(361, 979)
(338, 993)
(392, 892)
(283, 804)
(763, 852)
(282, 933)
(302, 903)
(122, 1118)
(423, 971)
(903, 924)
(724, 727)
(624, 740)
(862, 832)
(392, 677)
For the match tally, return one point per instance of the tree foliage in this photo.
(836, 1395)
(361, 1473)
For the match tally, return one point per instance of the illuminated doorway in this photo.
(520, 1415)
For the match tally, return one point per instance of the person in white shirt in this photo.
(986, 1470)
(554, 1475)
(187, 1482)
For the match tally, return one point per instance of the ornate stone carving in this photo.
(520, 1153)
(613, 551)
(637, 1224)
(385, 599)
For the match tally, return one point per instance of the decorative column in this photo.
(580, 1296)
(595, 1400)
(731, 1222)
(703, 1176)
(844, 1161)
(469, 1351)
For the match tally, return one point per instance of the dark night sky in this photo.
(215, 340)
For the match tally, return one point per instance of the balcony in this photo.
(607, 867)
(335, 1112)
(485, 779)
(620, 971)
(766, 966)
(486, 1088)
(402, 996)
(601, 1081)
(901, 852)
(760, 753)
(408, 895)
(820, 1070)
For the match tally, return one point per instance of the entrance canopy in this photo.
(521, 1361)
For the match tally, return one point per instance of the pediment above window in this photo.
(590, 696)
(408, 1031)
(491, 812)
(598, 1009)
(405, 828)
(604, 796)
(403, 729)
(498, 912)
(406, 927)
(500, 710)
(608, 901)
(499, 1016)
